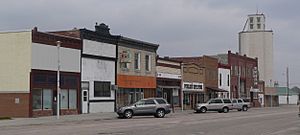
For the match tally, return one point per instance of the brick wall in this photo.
(14, 104)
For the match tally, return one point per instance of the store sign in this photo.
(167, 75)
(194, 86)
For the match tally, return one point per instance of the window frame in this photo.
(137, 61)
(105, 93)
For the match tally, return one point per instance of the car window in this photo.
(141, 102)
(227, 101)
(216, 101)
(240, 101)
(149, 102)
(246, 100)
(161, 101)
(234, 101)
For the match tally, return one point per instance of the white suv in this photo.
(240, 104)
(216, 104)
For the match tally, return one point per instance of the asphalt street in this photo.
(262, 121)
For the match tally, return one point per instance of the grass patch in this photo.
(5, 118)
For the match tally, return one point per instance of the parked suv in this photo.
(241, 104)
(216, 104)
(150, 106)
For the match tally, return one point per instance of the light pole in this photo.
(287, 85)
(58, 80)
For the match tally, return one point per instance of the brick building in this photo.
(244, 79)
(205, 68)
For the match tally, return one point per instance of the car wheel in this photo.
(203, 110)
(128, 114)
(225, 110)
(245, 108)
(160, 113)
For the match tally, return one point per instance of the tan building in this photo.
(28, 74)
(200, 80)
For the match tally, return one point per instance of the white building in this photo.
(256, 41)
(224, 82)
(98, 67)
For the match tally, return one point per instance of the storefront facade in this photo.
(36, 55)
(169, 79)
(136, 77)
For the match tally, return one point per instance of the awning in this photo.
(216, 89)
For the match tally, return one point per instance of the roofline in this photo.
(15, 31)
(256, 31)
(168, 59)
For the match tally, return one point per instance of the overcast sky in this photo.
(180, 27)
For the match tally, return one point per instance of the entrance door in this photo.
(84, 101)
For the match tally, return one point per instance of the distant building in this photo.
(243, 75)
(256, 41)
(283, 92)
(28, 74)
(200, 79)
(224, 80)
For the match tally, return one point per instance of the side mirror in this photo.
(134, 105)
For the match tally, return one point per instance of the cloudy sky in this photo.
(180, 27)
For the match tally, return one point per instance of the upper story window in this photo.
(228, 77)
(258, 26)
(220, 80)
(251, 19)
(148, 62)
(251, 26)
(258, 19)
(137, 61)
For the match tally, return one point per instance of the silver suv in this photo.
(240, 104)
(150, 106)
(216, 104)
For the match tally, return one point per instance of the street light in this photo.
(58, 81)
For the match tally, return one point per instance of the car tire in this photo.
(225, 110)
(160, 113)
(128, 114)
(203, 109)
(245, 108)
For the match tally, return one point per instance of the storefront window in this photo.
(36, 99)
(47, 99)
(73, 98)
(64, 98)
(101, 89)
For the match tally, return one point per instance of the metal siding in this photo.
(99, 48)
(45, 57)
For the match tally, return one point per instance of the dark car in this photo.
(150, 106)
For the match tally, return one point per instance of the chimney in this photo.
(102, 29)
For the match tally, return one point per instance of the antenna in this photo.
(256, 9)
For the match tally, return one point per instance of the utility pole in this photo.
(58, 81)
(287, 85)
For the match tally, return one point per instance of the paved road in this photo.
(265, 121)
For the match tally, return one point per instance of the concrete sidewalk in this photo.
(70, 118)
